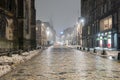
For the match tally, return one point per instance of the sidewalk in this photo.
(9, 63)
(113, 53)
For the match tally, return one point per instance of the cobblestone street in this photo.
(63, 63)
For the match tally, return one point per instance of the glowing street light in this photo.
(36, 28)
(48, 32)
(42, 24)
(61, 32)
(82, 20)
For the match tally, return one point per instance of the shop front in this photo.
(104, 37)
(104, 40)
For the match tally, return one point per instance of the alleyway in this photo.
(63, 63)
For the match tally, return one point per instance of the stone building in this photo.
(33, 24)
(45, 34)
(26, 24)
(8, 24)
(38, 33)
(17, 24)
(102, 24)
(51, 33)
(69, 36)
(41, 35)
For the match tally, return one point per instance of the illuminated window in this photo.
(110, 23)
(106, 23)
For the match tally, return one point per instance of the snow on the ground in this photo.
(7, 63)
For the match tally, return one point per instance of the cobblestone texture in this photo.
(62, 63)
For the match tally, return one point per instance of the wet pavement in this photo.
(62, 63)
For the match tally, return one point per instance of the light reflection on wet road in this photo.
(62, 63)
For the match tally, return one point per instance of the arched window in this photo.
(3, 23)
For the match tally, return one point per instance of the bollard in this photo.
(77, 47)
(103, 52)
(9, 54)
(88, 49)
(80, 48)
(83, 48)
(94, 51)
(118, 57)
(19, 52)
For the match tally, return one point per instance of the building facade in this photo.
(26, 24)
(17, 24)
(102, 24)
(41, 35)
(38, 33)
(69, 36)
(51, 33)
(8, 24)
(78, 30)
(45, 34)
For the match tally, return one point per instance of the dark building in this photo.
(8, 22)
(33, 24)
(17, 24)
(102, 23)
(26, 24)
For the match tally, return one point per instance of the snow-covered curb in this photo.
(8, 63)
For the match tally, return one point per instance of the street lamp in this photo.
(36, 28)
(48, 32)
(42, 24)
(61, 32)
(81, 20)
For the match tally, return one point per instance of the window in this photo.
(88, 30)
(106, 23)
(110, 23)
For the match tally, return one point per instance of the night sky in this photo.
(62, 13)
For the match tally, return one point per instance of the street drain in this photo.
(21, 75)
(20, 71)
(39, 75)
(62, 73)
(16, 75)
(102, 70)
(62, 78)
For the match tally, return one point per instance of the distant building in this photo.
(51, 33)
(69, 36)
(102, 23)
(38, 33)
(41, 35)
(45, 33)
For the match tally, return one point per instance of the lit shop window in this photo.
(109, 43)
(101, 43)
(106, 23)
